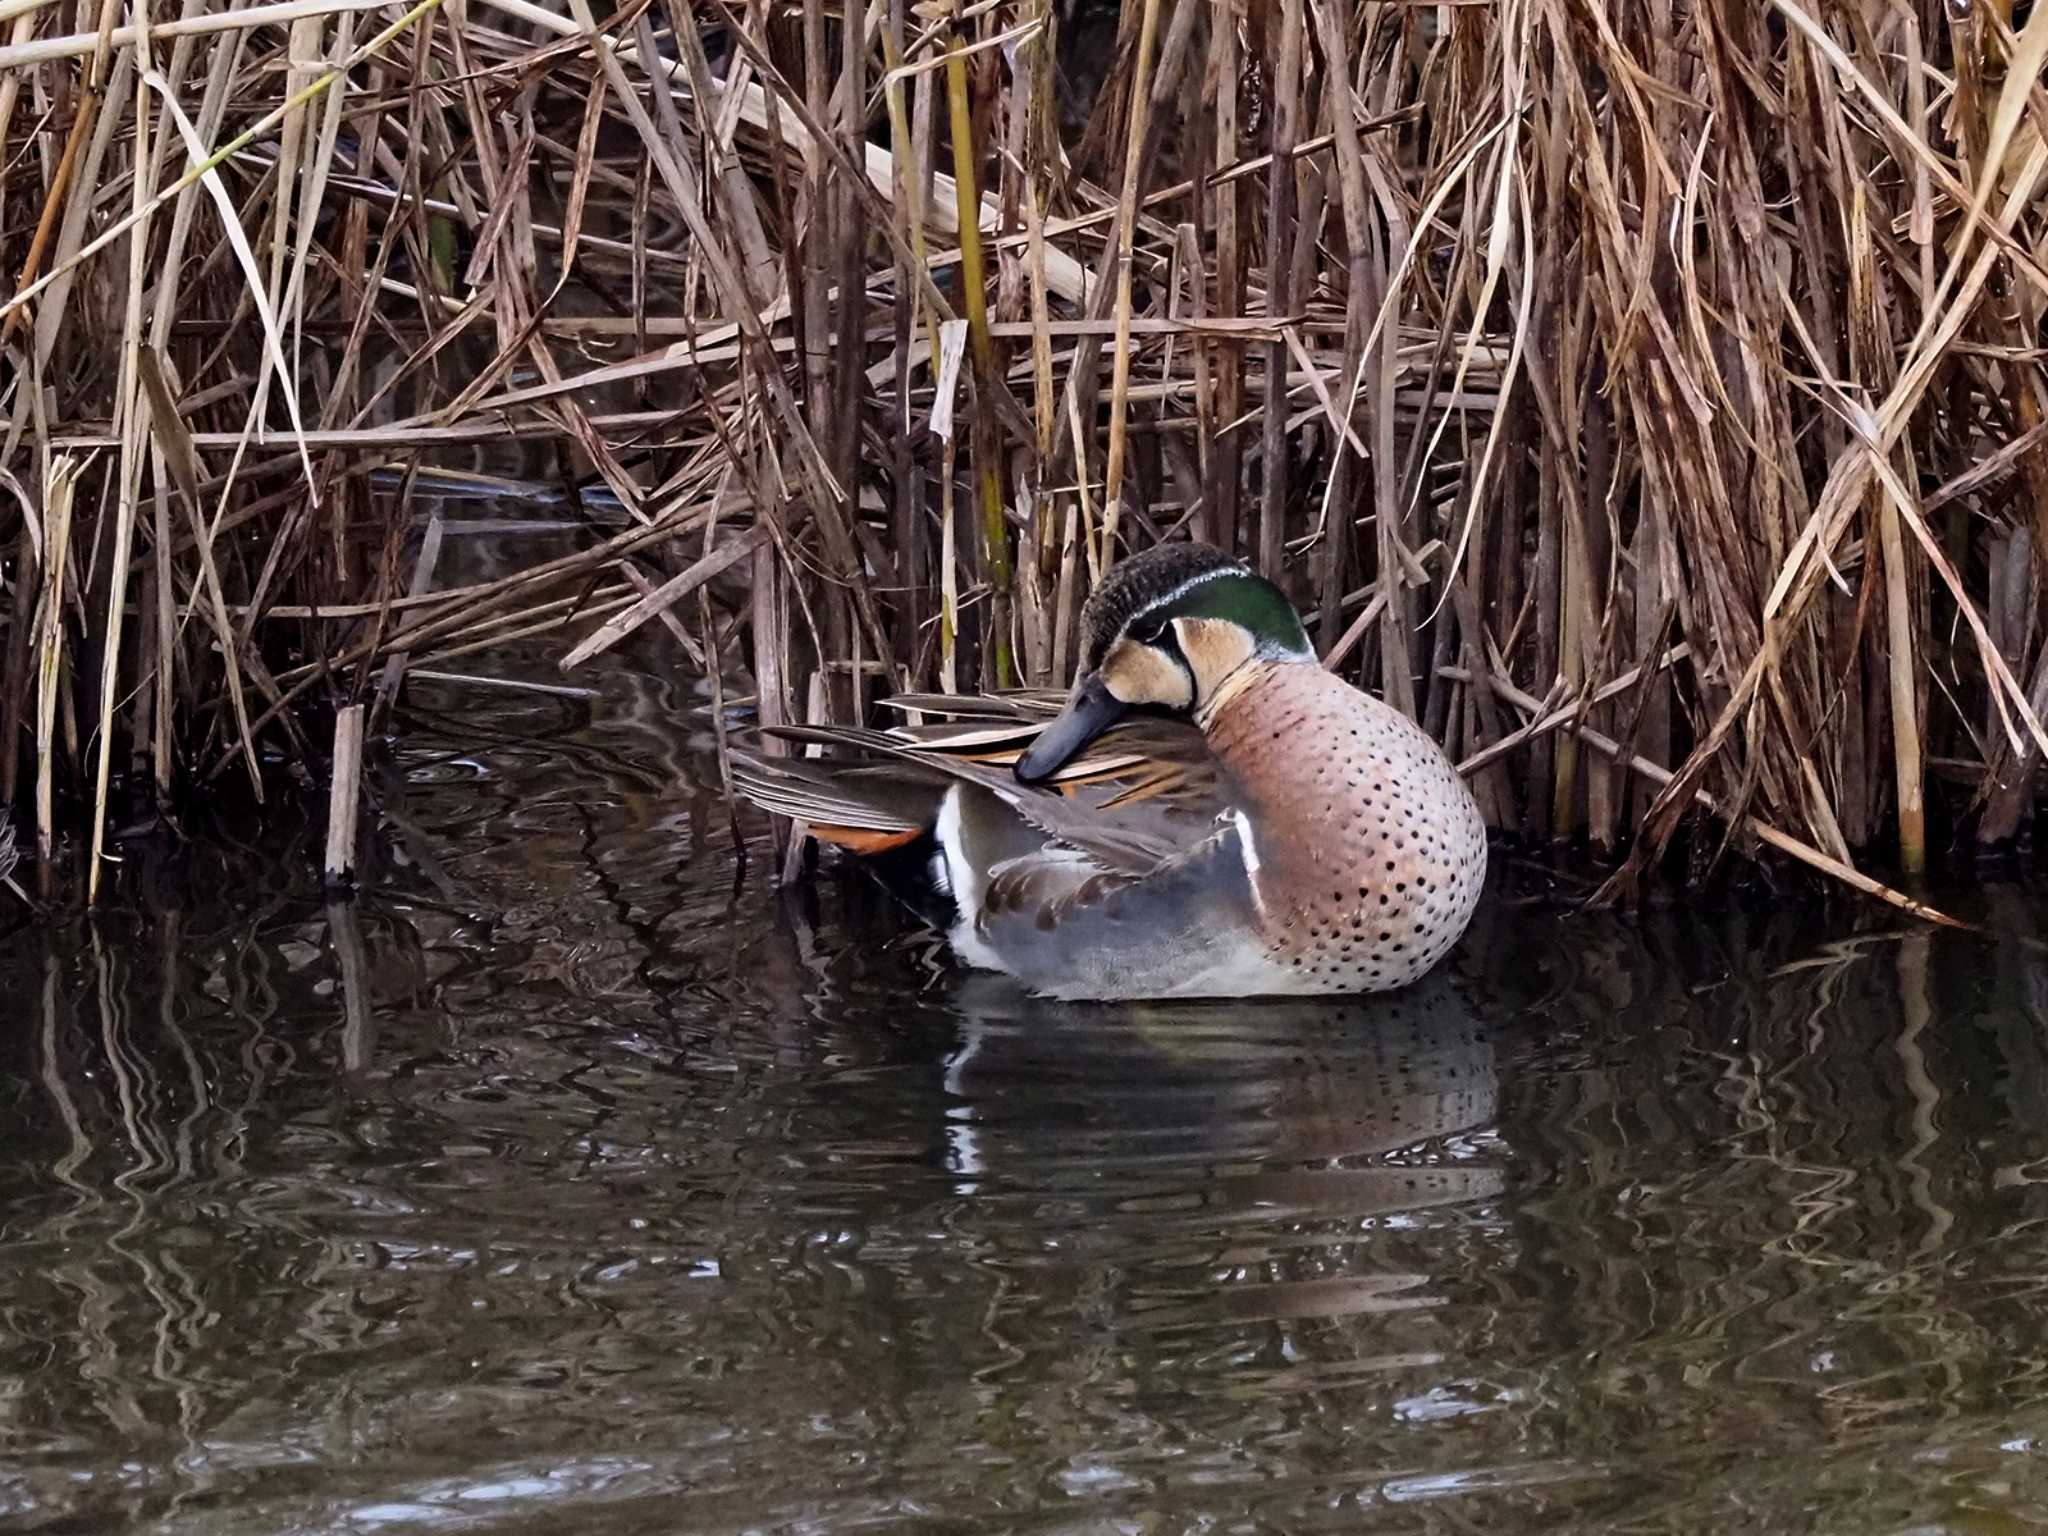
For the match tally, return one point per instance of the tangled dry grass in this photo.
(1646, 396)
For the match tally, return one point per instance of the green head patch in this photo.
(1242, 598)
(1182, 581)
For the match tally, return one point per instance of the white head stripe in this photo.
(1181, 591)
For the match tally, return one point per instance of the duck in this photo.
(1208, 812)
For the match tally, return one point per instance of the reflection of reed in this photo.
(1777, 1230)
(137, 1277)
(600, 1174)
(1917, 1009)
(358, 1039)
(79, 1237)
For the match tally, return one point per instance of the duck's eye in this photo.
(1150, 634)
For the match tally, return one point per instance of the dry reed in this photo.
(1651, 378)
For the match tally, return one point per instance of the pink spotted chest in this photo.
(1368, 851)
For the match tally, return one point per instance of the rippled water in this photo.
(572, 1180)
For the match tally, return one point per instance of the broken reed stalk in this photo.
(1678, 368)
(988, 486)
(344, 799)
(58, 498)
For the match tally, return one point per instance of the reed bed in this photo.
(1646, 397)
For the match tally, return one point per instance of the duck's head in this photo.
(1164, 632)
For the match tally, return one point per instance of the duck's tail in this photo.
(864, 810)
(888, 814)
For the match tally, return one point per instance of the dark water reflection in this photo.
(567, 1183)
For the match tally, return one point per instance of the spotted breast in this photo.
(1366, 850)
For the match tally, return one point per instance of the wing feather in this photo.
(1146, 793)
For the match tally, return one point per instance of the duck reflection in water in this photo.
(1285, 1134)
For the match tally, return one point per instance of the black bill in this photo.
(1092, 710)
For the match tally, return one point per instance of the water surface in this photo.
(572, 1179)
